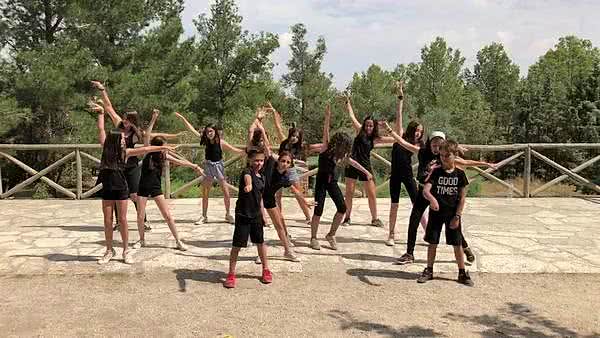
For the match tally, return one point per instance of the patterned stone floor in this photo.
(541, 235)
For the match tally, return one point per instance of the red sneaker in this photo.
(230, 281)
(267, 277)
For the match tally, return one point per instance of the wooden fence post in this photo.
(527, 172)
(79, 173)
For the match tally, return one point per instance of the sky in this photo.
(359, 33)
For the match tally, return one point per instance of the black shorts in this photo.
(133, 175)
(245, 228)
(150, 191)
(396, 182)
(356, 174)
(115, 195)
(437, 219)
(269, 201)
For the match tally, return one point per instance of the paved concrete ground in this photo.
(548, 235)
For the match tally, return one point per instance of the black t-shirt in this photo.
(130, 141)
(361, 150)
(401, 161)
(113, 180)
(150, 176)
(295, 149)
(213, 152)
(327, 168)
(426, 159)
(248, 203)
(274, 180)
(445, 187)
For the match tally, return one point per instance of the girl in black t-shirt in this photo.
(333, 152)
(150, 184)
(114, 183)
(214, 168)
(248, 218)
(294, 143)
(367, 135)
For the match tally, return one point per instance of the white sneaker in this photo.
(332, 242)
(127, 258)
(314, 244)
(181, 246)
(202, 220)
(108, 255)
(229, 219)
(390, 242)
(257, 260)
(140, 243)
(290, 241)
(291, 256)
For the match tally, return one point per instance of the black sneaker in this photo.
(147, 228)
(427, 275)
(469, 254)
(116, 227)
(405, 259)
(464, 278)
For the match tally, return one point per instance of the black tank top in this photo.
(326, 171)
(132, 161)
(113, 180)
(292, 148)
(150, 176)
(401, 161)
(361, 150)
(213, 152)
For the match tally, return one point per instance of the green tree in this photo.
(227, 57)
(373, 92)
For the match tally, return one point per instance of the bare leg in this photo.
(459, 255)
(431, 251)
(314, 226)
(122, 209)
(337, 220)
(372, 197)
(163, 206)
(279, 227)
(262, 253)
(296, 189)
(424, 220)
(350, 185)
(107, 211)
(206, 185)
(226, 197)
(233, 259)
(141, 213)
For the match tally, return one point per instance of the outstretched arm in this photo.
(400, 94)
(326, 124)
(355, 124)
(228, 147)
(471, 163)
(116, 119)
(278, 125)
(187, 124)
(146, 149)
(185, 163)
(405, 144)
(360, 168)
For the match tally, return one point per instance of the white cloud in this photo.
(387, 32)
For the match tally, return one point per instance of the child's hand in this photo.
(369, 176)
(455, 223)
(434, 205)
(248, 188)
(155, 113)
(97, 85)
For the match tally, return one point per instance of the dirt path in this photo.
(312, 303)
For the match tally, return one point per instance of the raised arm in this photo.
(265, 140)
(326, 124)
(400, 95)
(355, 123)
(148, 132)
(277, 120)
(116, 119)
(405, 144)
(228, 147)
(187, 124)
(101, 132)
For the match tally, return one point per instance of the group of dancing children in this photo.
(440, 183)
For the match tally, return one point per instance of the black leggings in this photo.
(418, 209)
(321, 188)
(396, 182)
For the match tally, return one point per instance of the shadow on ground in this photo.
(517, 320)
(203, 275)
(349, 322)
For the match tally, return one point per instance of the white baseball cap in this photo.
(438, 134)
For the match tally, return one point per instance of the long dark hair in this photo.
(256, 137)
(157, 159)
(363, 131)
(294, 147)
(133, 118)
(204, 140)
(411, 130)
(339, 146)
(113, 153)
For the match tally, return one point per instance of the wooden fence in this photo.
(78, 152)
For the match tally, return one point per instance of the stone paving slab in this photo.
(541, 235)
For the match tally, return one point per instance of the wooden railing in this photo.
(78, 152)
